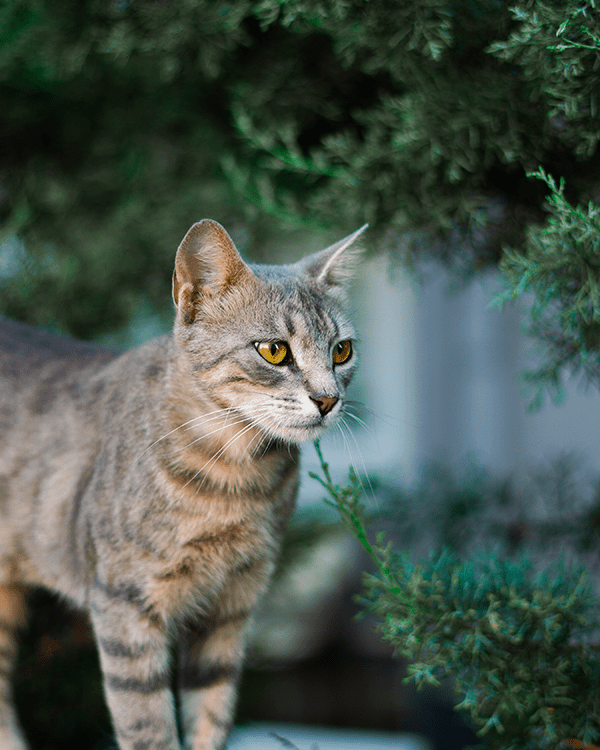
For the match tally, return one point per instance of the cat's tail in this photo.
(12, 617)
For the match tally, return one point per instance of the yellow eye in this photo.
(275, 352)
(342, 352)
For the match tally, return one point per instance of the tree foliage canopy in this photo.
(123, 121)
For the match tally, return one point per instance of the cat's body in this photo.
(152, 488)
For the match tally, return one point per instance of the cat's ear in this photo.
(207, 263)
(334, 267)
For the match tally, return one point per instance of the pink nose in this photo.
(325, 403)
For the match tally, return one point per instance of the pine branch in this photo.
(560, 264)
(502, 633)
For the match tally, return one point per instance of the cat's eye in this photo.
(342, 352)
(275, 352)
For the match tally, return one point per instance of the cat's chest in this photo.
(181, 537)
(214, 558)
(193, 543)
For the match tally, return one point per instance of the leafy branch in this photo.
(346, 501)
(560, 264)
(510, 638)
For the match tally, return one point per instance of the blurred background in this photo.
(292, 123)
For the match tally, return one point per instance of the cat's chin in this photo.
(299, 434)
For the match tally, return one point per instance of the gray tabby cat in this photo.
(152, 488)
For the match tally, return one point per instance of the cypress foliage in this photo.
(121, 120)
(513, 639)
(559, 263)
(106, 157)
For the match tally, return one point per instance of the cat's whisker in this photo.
(343, 430)
(205, 435)
(209, 464)
(265, 446)
(241, 420)
(166, 435)
(199, 421)
(372, 435)
(270, 439)
(350, 433)
(208, 417)
(213, 415)
(224, 447)
(159, 440)
(362, 423)
(260, 439)
(267, 435)
(343, 426)
(386, 419)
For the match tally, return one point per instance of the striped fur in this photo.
(152, 488)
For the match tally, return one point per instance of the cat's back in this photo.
(25, 349)
(35, 365)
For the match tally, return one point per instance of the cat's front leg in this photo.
(12, 617)
(134, 655)
(211, 657)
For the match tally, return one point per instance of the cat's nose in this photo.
(325, 403)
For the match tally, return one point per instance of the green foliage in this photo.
(401, 127)
(97, 179)
(512, 639)
(127, 120)
(116, 127)
(556, 46)
(560, 264)
(432, 118)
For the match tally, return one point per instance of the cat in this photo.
(152, 488)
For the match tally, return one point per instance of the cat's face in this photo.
(270, 343)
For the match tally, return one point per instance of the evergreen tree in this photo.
(122, 119)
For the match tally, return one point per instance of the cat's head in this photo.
(269, 343)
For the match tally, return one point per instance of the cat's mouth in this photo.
(301, 432)
(291, 423)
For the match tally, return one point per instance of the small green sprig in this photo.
(352, 513)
